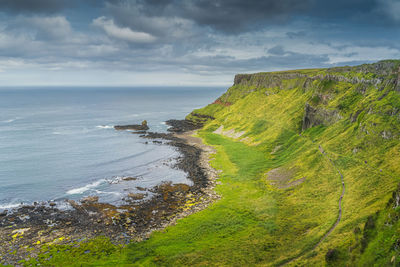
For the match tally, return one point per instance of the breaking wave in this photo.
(85, 188)
(105, 126)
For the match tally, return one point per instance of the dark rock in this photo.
(52, 204)
(135, 127)
(129, 178)
(90, 199)
(318, 116)
(331, 255)
(136, 196)
(139, 132)
(353, 117)
(76, 205)
(178, 126)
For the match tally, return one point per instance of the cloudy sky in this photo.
(188, 42)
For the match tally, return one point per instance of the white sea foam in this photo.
(105, 126)
(9, 206)
(64, 205)
(85, 188)
(108, 193)
(10, 120)
(114, 180)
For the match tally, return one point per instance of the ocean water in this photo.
(59, 143)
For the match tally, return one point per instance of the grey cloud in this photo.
(232, 16)
(276, 50)
(125, 34)
(33, 6)
(293, 35)
(237, 16)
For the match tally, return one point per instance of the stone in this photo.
(129, 178)
(90, 199)
(136, 196)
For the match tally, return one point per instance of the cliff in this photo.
(319, 130)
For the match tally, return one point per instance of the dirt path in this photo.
(339, 213)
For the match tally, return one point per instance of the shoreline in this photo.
(24, 231)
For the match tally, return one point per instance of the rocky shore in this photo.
(25, 230)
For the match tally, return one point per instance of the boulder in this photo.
(90, 199)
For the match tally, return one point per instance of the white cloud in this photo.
(125, 34)
(56, 28)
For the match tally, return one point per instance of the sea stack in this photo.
(135, 127)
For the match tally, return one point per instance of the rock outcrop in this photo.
(398, 81)
(318, 116)
(135, 127)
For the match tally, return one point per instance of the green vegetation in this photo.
(97, 251)
(279, 192)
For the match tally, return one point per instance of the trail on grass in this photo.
(339, 213)
(340, 201)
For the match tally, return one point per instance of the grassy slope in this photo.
(255, 223)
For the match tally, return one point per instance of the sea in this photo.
(58, 143)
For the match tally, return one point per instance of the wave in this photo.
(105, 126)
(72, 130)
(10, 120)
(108, 193)
(119, 179)
(114, 180)
(123, 158)
(85, 188)
(9, 206)
(63, 205)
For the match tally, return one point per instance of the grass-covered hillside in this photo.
(352, 115)
(283, 139)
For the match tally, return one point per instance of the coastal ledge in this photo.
(25, 230)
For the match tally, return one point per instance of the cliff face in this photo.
(326, 90)
(303, 121)
(318, 116)
(364, 74)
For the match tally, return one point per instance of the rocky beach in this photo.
(23, 231)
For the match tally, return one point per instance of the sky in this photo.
(185, 43)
